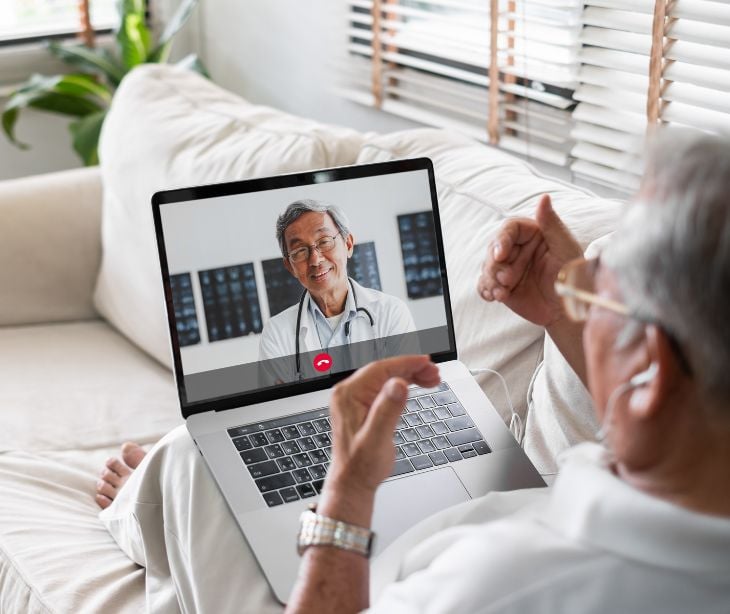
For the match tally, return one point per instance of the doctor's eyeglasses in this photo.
(324, 245)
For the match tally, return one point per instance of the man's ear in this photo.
(288, 266)
(653, 386)
(350, 244)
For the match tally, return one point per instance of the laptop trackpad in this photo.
(402, 503)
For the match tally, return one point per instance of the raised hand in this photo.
(523, 261)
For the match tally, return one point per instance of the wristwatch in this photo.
(318, 530)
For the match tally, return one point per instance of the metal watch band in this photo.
(318, 530)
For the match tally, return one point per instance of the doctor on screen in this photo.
(334, 310)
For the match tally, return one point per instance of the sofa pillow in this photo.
(170, 128)
(478, 188)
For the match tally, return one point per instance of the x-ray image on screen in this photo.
(186, 319)
(282, 288)
(420, 255)
(231, 302)
(363, 266)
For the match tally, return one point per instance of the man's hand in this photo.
(522, 264)
(364, 409)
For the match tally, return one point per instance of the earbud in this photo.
(644, 377)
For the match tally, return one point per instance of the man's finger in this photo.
(557, 236)
(385, 410)
(511, 275)
(516, 231)
(415, 369)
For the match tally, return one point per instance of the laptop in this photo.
(261, 419)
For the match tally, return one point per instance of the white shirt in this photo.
(590, 544)
(390, 316)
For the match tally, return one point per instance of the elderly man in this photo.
(334, 310)
(638, 524)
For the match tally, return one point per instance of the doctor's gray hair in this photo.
(298, 208)
(671, 254)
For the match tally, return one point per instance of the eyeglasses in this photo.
(576, 286)
(323, 245)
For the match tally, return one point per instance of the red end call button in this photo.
(322, 362)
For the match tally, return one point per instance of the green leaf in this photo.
(193, 62)
(96, 61)
(85, 133)
(10, 116)
(177, 21)
(134, 40)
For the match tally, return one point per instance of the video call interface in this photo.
(236, 302)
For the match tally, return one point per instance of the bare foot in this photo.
(116, 472)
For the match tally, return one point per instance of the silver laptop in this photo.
(257, 408)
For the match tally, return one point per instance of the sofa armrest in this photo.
(50, 246)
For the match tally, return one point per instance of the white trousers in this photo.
(171, 519)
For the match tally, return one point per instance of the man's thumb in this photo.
(552, 227)
(387, 407)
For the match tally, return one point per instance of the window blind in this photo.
(22, 20)
(434, 61)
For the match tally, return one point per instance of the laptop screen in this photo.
(284, 285)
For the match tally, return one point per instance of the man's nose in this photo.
(315, 257)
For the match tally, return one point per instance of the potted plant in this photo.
(85, 95)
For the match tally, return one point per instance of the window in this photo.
(23, 20)
(574, 84)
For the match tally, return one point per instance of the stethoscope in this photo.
(347, 324)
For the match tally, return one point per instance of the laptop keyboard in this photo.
(288, 457)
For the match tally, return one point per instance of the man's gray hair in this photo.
(298, 208)
(671, 253)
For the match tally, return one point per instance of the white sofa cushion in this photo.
(170, 128)
(478, 187)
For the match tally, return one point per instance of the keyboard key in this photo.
(306, 443)
(438, 458)
(286, 464)
(289, 494)
(421, 462)
(456, 409)
(457, 424)
(411, 449)
(452, 454)
(468, 453)
(412, 405)
(466, 448)
(397, 439)
(274, 436)
(290, 447)
(400, 424)
(428, 416)
(442, 413)
(238, 431)
(255, 455)
(242, 443)
(306, 490)
(318, 456)
(306, 428)
(413, 419)
(318, 484)
(261, 470)
(426, 402)
(290, 432)
(259, 439)
(481, 447)
(439, 428)
(322, 440)
(441, 442)
(274, 451)
(326, 466)
(322, 425)
(273, 498)
(402, 466)
(466, 436)
(275, 482)
(328, 452)
(302, 460)
(317, 472)
(424, 431)
(410, 434)
(399, 454)
(442, 398)
(426, 446)
(301, 476)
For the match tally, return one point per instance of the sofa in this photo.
(84, 357)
